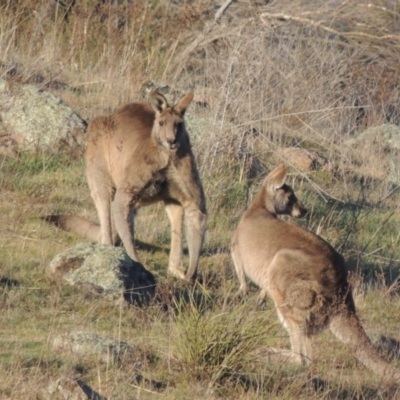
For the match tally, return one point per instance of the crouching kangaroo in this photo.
(136, 156)
(305, 277)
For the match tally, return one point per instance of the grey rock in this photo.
(107, 270)
(377, 149)
(34, 119)
(106, 349)
(71, 389)
(386, 136)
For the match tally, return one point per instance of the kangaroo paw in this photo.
(241, 294)
(177, 272)
(262, 301)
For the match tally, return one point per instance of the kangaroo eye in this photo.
(161, 123)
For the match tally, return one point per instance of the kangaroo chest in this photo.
(149, 190)
(172, 180)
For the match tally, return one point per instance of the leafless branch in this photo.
(199, 39)
(320, 25)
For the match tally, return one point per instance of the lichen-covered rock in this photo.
(307, 160)
(386, 136)
(106, 349)
(377, 151)
(108, 270)
(71, 389)
(34, 119)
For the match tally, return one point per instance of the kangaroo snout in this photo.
(299, 211)
(173, 143)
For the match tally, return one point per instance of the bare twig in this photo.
(370, 5)
(200, 38)
(143, 389)
(320, 25)
(222, 9)
(389, 194)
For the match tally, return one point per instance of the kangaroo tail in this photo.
(347, 328)
(76, 224)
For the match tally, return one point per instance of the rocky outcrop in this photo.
(34, 119)
(306, 160)
(71, 389)
(106, 349)
(107, 270)
(377, 152)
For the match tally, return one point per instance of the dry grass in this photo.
(305, 74)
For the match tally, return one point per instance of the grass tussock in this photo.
(215, 344)
(309, 75)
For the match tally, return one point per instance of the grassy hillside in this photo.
(306, 74)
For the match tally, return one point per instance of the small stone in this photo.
(105, 348)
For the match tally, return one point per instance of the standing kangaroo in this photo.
(140, 155)
(305, 277)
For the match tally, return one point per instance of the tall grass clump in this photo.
(217, 345)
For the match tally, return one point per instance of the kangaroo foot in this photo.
(177, 272)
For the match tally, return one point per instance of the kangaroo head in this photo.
(280, 197)
(168, 127)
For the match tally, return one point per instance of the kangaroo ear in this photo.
(183, 103)
(276, 178)
(158, 101)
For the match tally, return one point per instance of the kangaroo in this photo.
(136, 156)
(302, 273)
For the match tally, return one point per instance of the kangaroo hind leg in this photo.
(299, 340)
(175, 215)
(239, 268)
(102, 195)
(195, 223)
(123, 218)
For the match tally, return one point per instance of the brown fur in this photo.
(139, 155)
(305, 277)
